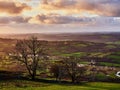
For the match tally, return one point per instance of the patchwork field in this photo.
(103, 51)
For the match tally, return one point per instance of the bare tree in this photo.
(55, 70)
(58, 71)
(73, 67)
(30, 52)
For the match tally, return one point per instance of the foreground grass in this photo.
(32, 85)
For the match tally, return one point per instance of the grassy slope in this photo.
(29, 85)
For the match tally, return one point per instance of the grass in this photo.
(80, 45)
(105, 36)
(110, 46)
(98, 54)
(109, 64)
(116, 42)
(84, 62)
(77, 54)
(32, 85)
(116, 58)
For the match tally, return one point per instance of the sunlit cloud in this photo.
(59, 15)
(99, 7)
(13, 7)
(60, 19)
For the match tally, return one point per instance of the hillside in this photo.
(102, 49)
(105, 54)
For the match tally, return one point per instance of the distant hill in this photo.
(91, 37)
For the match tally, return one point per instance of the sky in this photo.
(59, 16)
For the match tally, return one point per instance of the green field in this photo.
(32, 85)
(109, 64)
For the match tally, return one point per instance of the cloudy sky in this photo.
(53, 16)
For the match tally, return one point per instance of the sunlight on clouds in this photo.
(61, 15)
(13, 8)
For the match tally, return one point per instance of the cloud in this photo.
(15, 20)
(46, 19)
(13, 7)
(56, 19)
(59, 19)
(100, 7)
